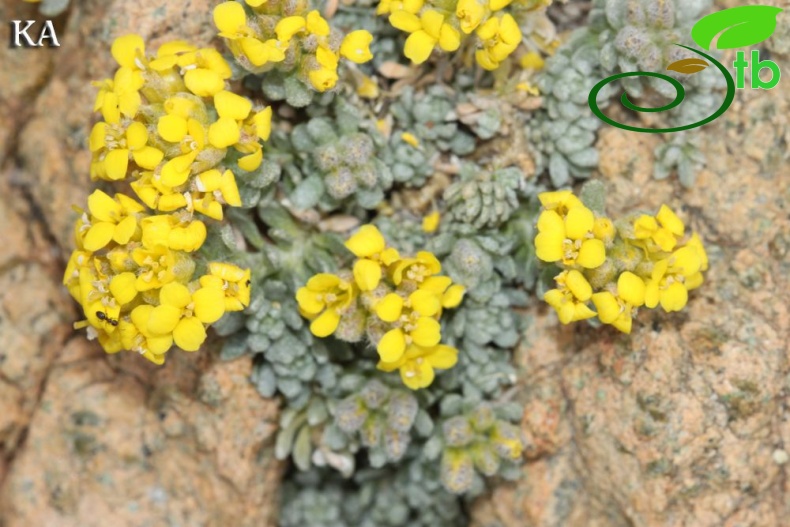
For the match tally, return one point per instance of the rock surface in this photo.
(85, 438)
(684, 423)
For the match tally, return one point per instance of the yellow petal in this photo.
(389, 308)
(125, 49)
(322, 282)
(592, 254)
(431, 222)
(578, 222)
(419, 46)
(136, 135)
(578, 285)
(175, 295)
(674, 298)
(163, 319)
(232, 106)
(437, 284)
(172, 128)
(229, 190)
(323, 79)
(405, 21)
(325, 324)
(308, 301)
(203, 82)
(209, 304)
(392, 345)
(607, 306)
(427, 332)
(443, 357)
(670, 221)
(148, 157)
(366, 242)
(686, 261)
(651, 294)
(425, 302)
(263, 123)
(316, 24)
(548, 247)
(550, 222)
(287, 27)
(98, 137)
(251, 162)
(452, 298)
(176, 171)
(631, 288)
(367, 274)
(224, 133)
(116, 163)
(98, 236)
(189, 334)
(356, 46)
(103, 207)
(644, 227)
(449, 38)
(122, 288)
(229, 17)
(125, 230)
(623, 323)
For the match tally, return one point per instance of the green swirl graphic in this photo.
(679, 96)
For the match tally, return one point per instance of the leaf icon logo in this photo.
(688, 66)
(736, 27)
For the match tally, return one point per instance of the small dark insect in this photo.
(248, 283)
(101, 315)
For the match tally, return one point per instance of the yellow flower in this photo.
(157, 267)
(410, 139)
(573, 290)
(355, 46)
(129, 51)
(433, 30)
(111, 220)
(171, 232)
(113, 146)
(230, 19)
(323, 79)
(233, 281)
(183, 315)
(417, 269)
(470, 13)
(571, 240)
(417, 364)
(370, 247)
(618, 310)
(604, 230)
(667, 282)
(119, 96)
(664, 230)
(431, 222)
(214, 190)
(500, 37)
(323, 299)
(414, 325)
(135, 336)
(560, 201)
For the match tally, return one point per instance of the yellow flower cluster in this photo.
(444, 25)
(643, 261)
(133, 270)
(158, 130)
(286, 36)
(395, 301)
